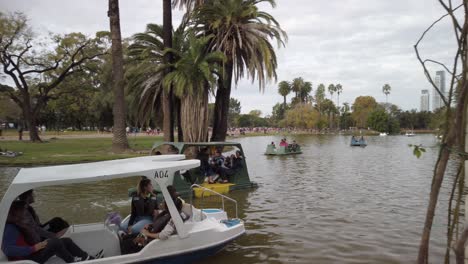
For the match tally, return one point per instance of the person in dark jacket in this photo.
(55, 227)
(144, 206)
(18, 241)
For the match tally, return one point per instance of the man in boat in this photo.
(273, 145)
(217, 165)
(294, 146)
(55, 227)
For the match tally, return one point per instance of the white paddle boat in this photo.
(205, 233)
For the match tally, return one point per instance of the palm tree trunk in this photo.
(284, 103)
(119, 139)
(178, 107)
(167, 96)
(223, 94)
(194, 116)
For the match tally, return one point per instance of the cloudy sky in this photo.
(361, 44)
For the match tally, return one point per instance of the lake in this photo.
(332, 204)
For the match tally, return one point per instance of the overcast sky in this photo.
(361, 44)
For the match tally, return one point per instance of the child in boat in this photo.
(20, 242)
(144, 205)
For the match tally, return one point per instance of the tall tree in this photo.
(296, 86)
(243, 33)
(167, 95)
(284, 89)
(339, 90)
(386, 90)
(192, 77)
(362, 107)
(119, 139)
(331, 90)
(320, 97)
(38, 73)
(305, 92)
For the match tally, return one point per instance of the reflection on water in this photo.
(332, 204)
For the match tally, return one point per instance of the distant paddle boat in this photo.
(383, 134)
(410, 134)
(283, 150)
(183, 182)
(205, 233)
(358, 142)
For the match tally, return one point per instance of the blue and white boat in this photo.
(205, 233)
(358, 142)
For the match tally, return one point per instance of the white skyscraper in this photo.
(440, 83)
(425, 100)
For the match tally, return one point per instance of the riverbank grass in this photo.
(62, 151)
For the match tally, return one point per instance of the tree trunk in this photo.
(223, 94)
(284, 103)
(194, 117)
(119, 139)
(167, 96)
(30, 118)
(178, 107)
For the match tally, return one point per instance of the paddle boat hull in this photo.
(282, 150)
(205, 232)
(358, 143)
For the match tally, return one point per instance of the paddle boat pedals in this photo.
(205, 233)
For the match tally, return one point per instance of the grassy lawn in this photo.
(60, 151)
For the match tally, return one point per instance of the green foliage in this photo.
(362, 107)
(302, 116)
(255, 112)
(252, 121)
(418, 150)
(234, 112)
(242, 32)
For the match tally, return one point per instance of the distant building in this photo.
(439, 81)
(425, 100)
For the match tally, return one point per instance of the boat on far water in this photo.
(410, 134)
(383, 134)
(355, 142)
(283, 150)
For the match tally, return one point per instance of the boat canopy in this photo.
(98, 171)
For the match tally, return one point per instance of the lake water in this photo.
(332, 204)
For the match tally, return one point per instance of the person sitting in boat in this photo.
(20, 241)
(273, 145)
(162, 226)
(283, 143)
(55, 227)
(205, 168)
(294, 146)
(144, 205)
(217, 164)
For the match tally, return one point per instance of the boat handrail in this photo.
(214, 192)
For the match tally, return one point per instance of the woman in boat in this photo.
(144, 206)
(55, 227)
(19, 242)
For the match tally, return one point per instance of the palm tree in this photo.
(284, 88)
(192, 77)
(296, 86)
(167, 96)
(331, 90)
(386, 90)
(243, 33)
(339, 90)
(305, 91)
(119, 139)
